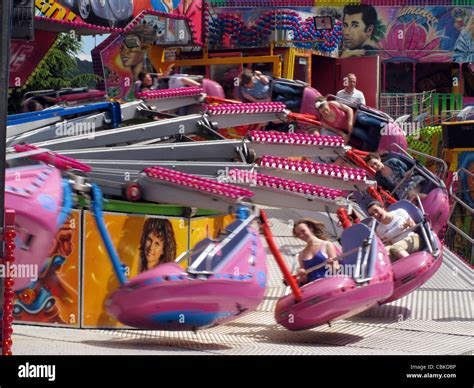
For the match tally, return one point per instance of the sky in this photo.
(88, 43)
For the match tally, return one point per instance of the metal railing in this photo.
(428, 108)
(468, 212)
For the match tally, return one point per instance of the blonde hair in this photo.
(320, 102)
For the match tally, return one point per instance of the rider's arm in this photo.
(263, 78)
(349, 112)
(249, 97)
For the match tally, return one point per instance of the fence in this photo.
(432, 107)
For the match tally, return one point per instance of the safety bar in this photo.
(360, 267)
(291, 281)
(434, 158)
(338, 258)
(409, 174)
(462, 233)
(411, 229)
(208, 255)
(425, 227)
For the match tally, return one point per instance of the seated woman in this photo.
(318, 251)
(394, 231)
(255, 87)
(391, 172)
(342, 119)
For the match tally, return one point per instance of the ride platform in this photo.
(436, 319)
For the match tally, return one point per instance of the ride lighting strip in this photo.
(274, 137)
(334, 176)
(246, 108)
(278, 192)
(193, 182)
(170, 93)
(270, 182)
(296, 144)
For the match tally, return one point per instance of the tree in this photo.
(59, 69)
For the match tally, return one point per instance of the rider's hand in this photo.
(406, 225)
(302, 275)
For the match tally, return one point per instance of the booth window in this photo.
(398, 77)
(468, 79)
(438, 77)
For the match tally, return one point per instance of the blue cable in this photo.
(99, 220)
(67, 203)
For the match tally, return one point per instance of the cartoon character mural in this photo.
(126, 55)
(411, 33)
(118, 13)
(113, 13)
(53, 296)
(464, 46)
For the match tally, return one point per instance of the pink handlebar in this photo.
(59, 161)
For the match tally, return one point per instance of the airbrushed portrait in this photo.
(360, 30)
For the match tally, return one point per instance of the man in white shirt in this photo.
(394, 230)
(350, 92)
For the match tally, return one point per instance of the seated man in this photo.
(393, 230)
(255, 86)
(390, 172)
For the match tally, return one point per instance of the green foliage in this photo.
(59, 69)
(56, 70)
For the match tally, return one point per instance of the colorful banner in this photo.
(409, 33)
(126, 56)
(118, 13)
(54, 297)
(25, 56)
(192, 9)
(291, 26)
(142, 242)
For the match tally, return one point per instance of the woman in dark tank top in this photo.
(319, 251)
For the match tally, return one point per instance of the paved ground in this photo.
(436, 319)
